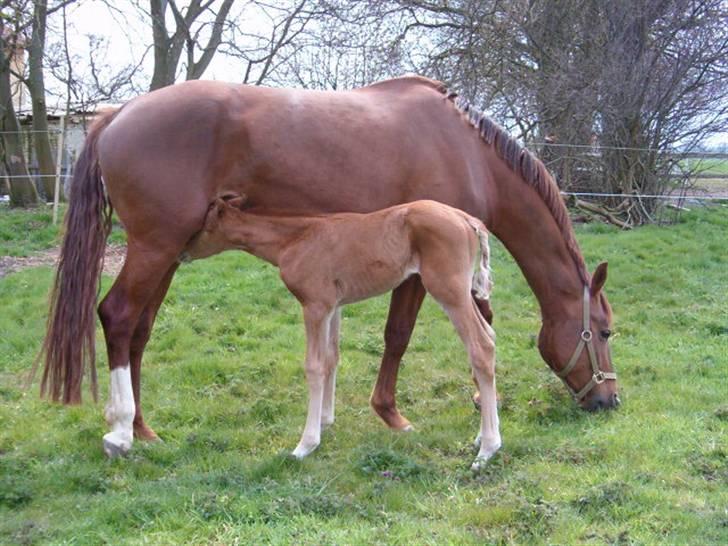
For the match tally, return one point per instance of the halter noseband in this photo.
(598, 376)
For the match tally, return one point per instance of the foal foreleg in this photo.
(332, 361)
(317, 325)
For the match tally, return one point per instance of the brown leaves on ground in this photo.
(113, 260)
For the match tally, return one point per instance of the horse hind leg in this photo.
(139, 341)
(120, 311)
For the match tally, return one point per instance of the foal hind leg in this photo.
(403, 308)
(485, 311)
(139, 341)
(332, 361)
(479, 340)
(119, 312)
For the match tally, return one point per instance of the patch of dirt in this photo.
(113, 260)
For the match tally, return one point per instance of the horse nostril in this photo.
(615, 400)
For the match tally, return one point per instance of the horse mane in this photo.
(529, 167)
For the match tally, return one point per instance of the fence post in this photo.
(59, 162)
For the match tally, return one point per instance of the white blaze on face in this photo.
(120, 413)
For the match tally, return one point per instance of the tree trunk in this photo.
(36, 86)
(22, 189)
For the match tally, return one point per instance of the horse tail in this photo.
(68, 348)
(482, 277)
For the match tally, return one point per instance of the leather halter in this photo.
(598, 376)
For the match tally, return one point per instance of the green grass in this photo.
(223, 386)
(23, 231)
(710, 165)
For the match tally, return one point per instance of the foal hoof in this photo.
(114, 446)
(479, 464)
(302, 450)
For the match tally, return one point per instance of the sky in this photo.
(129, 38)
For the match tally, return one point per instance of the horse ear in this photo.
(598, 279)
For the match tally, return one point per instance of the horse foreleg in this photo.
(317, 319)
(120, 312)
(139, 341)
(403, 308)
(332, 361)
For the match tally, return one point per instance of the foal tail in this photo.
(68, 348)
(482, 279)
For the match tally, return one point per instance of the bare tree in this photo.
(189, 27)
(12, 41)
(610, 92)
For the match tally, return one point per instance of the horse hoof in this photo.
(115, 446)
(146, 434)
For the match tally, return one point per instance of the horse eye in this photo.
(606, 333)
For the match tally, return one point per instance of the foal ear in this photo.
(214, 214)
(598, 279)
(238, 202)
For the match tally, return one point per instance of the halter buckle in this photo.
(599, 377)
(586, 335)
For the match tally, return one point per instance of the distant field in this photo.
(224, 388)
(710, 166)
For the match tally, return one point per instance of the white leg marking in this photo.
(327, 417)
(332, 361)
(489, 438)
(311, 437)
(120, 413)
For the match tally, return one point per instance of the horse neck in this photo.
(522, 221)
(266, 236)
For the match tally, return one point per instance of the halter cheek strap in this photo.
(586, 340)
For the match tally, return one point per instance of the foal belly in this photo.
(376, 279)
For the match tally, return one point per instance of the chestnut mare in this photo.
(330, 260)
(163, 157)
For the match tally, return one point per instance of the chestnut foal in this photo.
(327, 261)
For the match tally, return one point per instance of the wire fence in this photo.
(692, 168)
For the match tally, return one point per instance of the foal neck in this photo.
(266, 234)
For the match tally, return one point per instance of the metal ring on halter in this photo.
(599, 377)
(586, 335)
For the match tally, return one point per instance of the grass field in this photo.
(224, 388)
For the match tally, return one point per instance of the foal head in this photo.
(216, 234)
(576, 347)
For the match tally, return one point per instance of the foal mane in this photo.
(529, 167)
